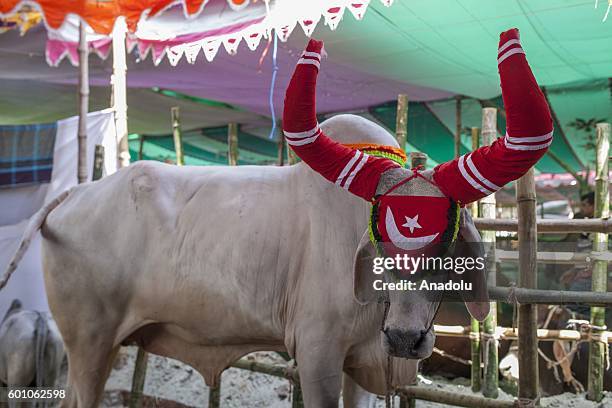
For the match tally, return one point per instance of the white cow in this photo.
(207, 264)
(31, 350)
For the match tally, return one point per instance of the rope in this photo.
(272, 83)
(452, 357)
(513, 300)
(528, 402)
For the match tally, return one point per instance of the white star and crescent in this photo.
(412, 223)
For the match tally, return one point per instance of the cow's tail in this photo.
(34, 225)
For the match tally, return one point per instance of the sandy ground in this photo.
(171, 380)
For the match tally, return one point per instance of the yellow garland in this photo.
(389, 152)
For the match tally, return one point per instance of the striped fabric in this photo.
(26, 154)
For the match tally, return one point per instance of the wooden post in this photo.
(487, 209)
(214, 396)
(138, 379)
(292, 158)
(177, 135)
(119, 96)
(83, 103)
(459, 126)
(475, 145)
(527, 313)
(417, 159)
(281, 151)
(98, 165)
(232, 144)
(599, 281)
(401, 121)
(476, 372)
(141, 139)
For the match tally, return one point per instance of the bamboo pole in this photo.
(459, 126)
(292, 158)
(600, 270)
(527, 315)
(475, 348)
(98, 166)
(138, 378)
(141, 139)
(569, 258)
(83, 103)
(509, 333)
(281, 150)
(119, 85)
(401, 121)
(417, 159)
(453, 398)
(549, 297)
(214, 396)
(487, 209)
(232, 144)
(281, 371)
(177, 135)
(548, 226)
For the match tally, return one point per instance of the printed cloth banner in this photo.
(20, 202)
(26, 154)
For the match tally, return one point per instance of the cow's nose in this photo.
(407, 343)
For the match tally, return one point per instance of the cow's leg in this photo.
(89, 364)
(354, 396)
(320, 364)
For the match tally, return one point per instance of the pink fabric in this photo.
(56, 50)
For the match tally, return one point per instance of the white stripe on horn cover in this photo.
(469, 178)
(362, 162)
(482, 178)
(542, 138)
(509, 54)
(301, 135)
(309, 62)
(348, 166)
(311, 54)
(508, 44)
(302, 142)
(513, 146)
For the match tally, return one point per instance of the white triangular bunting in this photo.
(192, 51)
(358, 8)
(253, 37)
(309, 25)
(387, 3)
(210, 48)
(333, 15)
(231, 44)
(285, 31)
(174, 55)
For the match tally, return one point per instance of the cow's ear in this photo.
(363, 276)
(470, 246)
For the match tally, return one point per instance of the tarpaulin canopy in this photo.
(101, 15)
(431, 51)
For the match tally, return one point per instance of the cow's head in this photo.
(407, 326)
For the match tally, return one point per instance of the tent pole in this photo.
(475, 348)
(232, 144)
(527, 313)
(599, 283)
(83, 103)
(458, 126)
(119, 85)
(487, 208)
(177, 134)
(281, 146)
(401, 121)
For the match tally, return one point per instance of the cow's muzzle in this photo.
(408, 343)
